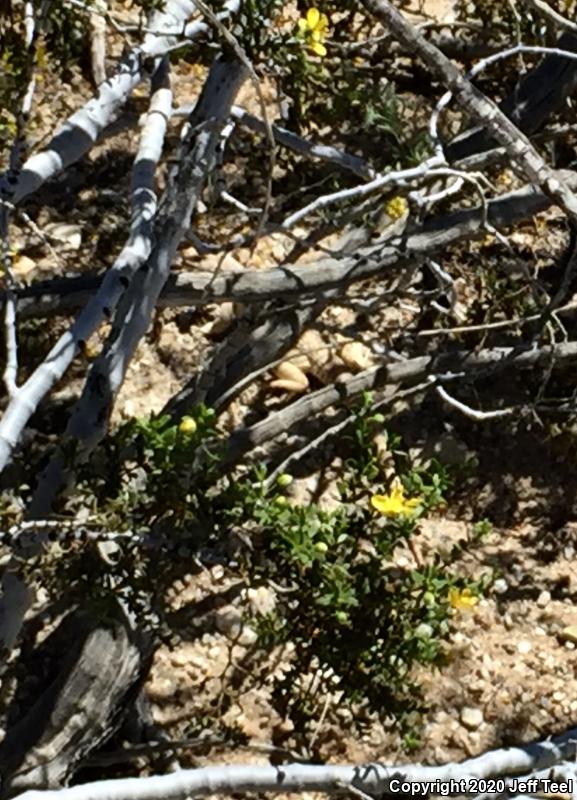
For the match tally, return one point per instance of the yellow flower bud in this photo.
(188, 426)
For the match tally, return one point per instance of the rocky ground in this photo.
(511, 675)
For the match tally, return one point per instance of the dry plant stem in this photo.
(233, 42)
(69, 144)
(256, 342)
(442, 369)
(480, 67)
(389, 396)
(7, 189)
(432, 166)
(500, 127)
(97, 26)
(83, 129)
(301, 145)
(309, 447)
(473, 413)
(290, 281)
(541, 92)
(15, 597)
(373, 780)
(102, 304)
(492, 326)
(89, 419)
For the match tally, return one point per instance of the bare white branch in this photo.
(473, 413)
(89, 419)
(374, 780)
(85, 126)
(133, 255)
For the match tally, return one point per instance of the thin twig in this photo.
(553, 16)
(473, 413)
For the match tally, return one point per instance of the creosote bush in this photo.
(349, 611)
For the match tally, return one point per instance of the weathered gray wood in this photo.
(257, 341)
(290, 281)
(102, 669)
(540, 93)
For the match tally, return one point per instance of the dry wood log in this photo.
(63, 295)
(105, 663)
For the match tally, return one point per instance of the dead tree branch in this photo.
(89, 419)
(516, 144)
(63, 295)
(373, 780)
(438, 370)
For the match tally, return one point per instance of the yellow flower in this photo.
(187, 426)
(396, 207)
(313, 29)
(462, 599)
(394, 504)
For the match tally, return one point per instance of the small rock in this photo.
(508, 621)
(544, 599)
(22, 265)
(68, 234)
(569, 634)
(500, 586)
(261, 600)
(471, 718)
(524, 647)
(569, 646)
(247, 636)
(179, 659)
(345, 715)
(229, 621)
(356, 355)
